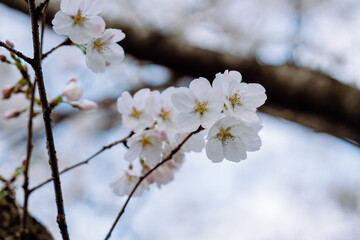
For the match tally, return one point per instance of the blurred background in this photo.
(304, 183)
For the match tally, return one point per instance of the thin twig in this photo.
(53, 161)
(42, 6)
(169, 157)
(16, 52)
(29, 148)
(64, 43)
(86, 161)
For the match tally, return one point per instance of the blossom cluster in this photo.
(226, 110)
(80, 21)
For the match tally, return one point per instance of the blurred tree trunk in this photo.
(10, 215)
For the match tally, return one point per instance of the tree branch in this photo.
(47, 120)
(17, 53)
(169, 157)
(29, 148)
(86, 161)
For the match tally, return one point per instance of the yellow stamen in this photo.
(136, 113)
(79, 19)
(225, 135)
(99, 46)
(200, 106)
(165, 115)
(235, 100)
(146, 141)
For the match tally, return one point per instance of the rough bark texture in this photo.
(10, 222)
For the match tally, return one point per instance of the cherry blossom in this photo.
(165, 173)
(126, 182)
(103, 51)
(197, 105)
(240, 99)
(147, 145)
(230, 138)
(72, 90)
(164, 112)
(78, 19)
(136, 112)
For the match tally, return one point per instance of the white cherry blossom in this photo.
(78, 19)
(240, 99)
(126, 182)
(164, 112)
(147, 145)
(195, 143)
(230, 138)
(165, 173)
(136, 111)
(197, 105)
(103, 51)
(72, 91)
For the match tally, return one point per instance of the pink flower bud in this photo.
(6, 92)
(12, 113)
(86, 105)
(3, 58)
(10, 44)
(72, 90)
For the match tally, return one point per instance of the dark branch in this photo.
(64, 43)
(17, 53)
(86, 161)
(53, 161)
(29, 148)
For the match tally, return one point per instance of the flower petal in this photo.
(214, 150)
(182, 100)
(235, 151)
(94, 60)
(188, 122)
(200, 87)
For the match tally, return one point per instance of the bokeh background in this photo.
(302, 184)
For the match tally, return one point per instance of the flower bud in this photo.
(13, 113)
(6, 92)
(3, 58)
(10, 44)
(86, 105)
(72, 90)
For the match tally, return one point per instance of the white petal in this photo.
(249, 116)
(188, 122)
(255, 89)
(94, 26)
(200, 87)
(94, 60)
(124, 103)
(116, 35)
(113, 54)
(254, 101)
(152, 155)
(235, 151)
(62, 23)
(133, 152)
(209, 118)
(182, 100)
(214, 150)
(93, 7)
(71, 7)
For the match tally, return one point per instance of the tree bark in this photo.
(10, 215)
